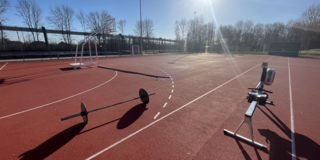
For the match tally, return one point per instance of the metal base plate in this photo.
(144, 96)
(245, 139)
(84, 112)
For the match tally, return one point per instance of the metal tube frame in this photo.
(249, 113)
(92, 37)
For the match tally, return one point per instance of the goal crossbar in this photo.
(92, 38)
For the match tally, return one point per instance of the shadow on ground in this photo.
(131, 116)
(280, 148)
(27, 77)
(53, 144)
(56, 142)
(178, 59)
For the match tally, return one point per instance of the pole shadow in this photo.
(53, 144)
(131, 116)
(50, 146)
(126, 120)
(27, 77)
(178, 59)
(280, 148)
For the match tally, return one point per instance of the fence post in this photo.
(46, 40)
(20, 46)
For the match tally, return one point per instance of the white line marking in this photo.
(172, 82)
(165, 105)
(169, 96)
(172, 86)
(156, 115)
(4, 65)
(172, 91)
(60, 99)
(293, 142)
(168, 114)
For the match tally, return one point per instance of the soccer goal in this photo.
(108, 27)
(135, 50)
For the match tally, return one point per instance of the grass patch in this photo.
(247, 52)
(310, 53)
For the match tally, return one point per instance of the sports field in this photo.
(185, 119)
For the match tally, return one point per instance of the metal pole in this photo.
(194, 28)
(20, 46)
(2, 35)
(141, 29)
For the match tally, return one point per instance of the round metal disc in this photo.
(144, 96)
(84, 112)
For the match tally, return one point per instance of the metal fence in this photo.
(21, 43)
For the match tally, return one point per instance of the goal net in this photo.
(135, 50)
(109, 27)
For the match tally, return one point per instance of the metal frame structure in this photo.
(133, 49)
(88, 39)
(256, 98)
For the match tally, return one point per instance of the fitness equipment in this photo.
(257, 95)
(143, 95)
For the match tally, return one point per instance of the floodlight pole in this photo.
(141, 29)
(194, 28)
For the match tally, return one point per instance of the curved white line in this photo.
(183, 68)
(60, 99)
(163, 117)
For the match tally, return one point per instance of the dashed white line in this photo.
(60, 99)
(172, 91)
(156, 115)
(4, 65)
(165, 104)
(169, 96)
(172, 86)
(172, 82)
(163, 117)
(293, 143)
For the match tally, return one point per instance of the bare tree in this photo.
(4, 5)
(258, 30)
(183, 25)
(97, 19)
(137, 29)
(181, 29)
(121, 25)
(309, 22)
(148, 28)
(211, 33)
(61, 17)
(239, 31)
(81, 17)
(31, 13)
(177, 30)
(311, 17)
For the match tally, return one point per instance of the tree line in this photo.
(197, 33)
(61, 17)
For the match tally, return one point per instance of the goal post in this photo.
(135, 50)
(108, 27)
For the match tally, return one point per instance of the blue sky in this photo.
(165, 12)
